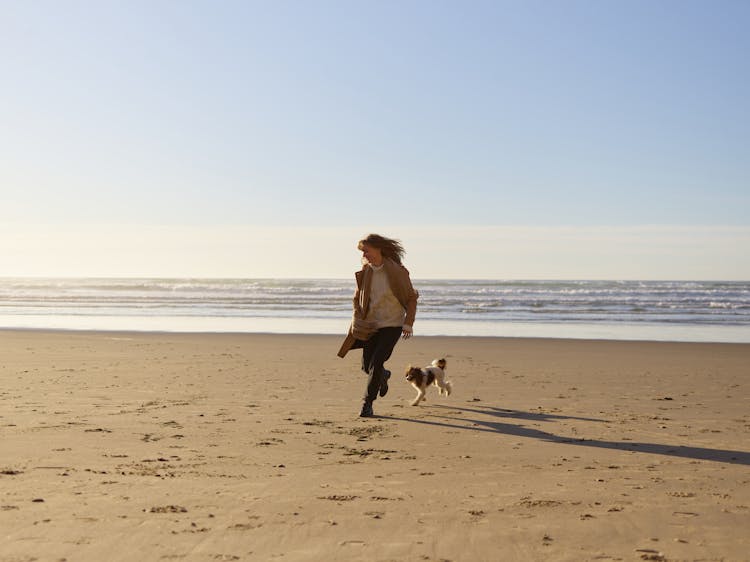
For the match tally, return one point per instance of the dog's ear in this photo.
(412, 372)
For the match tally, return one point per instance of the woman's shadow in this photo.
(485, 419)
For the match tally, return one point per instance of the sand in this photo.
(133, 446)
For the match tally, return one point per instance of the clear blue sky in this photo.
(380, 115)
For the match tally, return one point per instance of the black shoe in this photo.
(384, 384)
(366, 410)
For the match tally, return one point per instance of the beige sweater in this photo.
(385, 310)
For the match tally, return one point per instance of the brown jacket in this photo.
(400, 283)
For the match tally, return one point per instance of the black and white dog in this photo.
(420, 379)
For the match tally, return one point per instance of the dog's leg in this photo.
(440, 384)
(445, 387)
(420, 393)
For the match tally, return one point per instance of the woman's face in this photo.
(372, 255)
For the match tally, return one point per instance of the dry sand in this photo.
(127, 446)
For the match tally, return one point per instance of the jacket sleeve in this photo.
(411, 300)
(411, 309)
(350, 341)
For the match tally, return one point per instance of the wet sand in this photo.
(133, 446)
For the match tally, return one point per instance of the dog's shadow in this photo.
(484, 419)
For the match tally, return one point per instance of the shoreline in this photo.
(198, 447)
(93, 331)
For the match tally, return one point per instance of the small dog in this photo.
(420, 379)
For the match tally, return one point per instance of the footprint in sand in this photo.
(168, 509)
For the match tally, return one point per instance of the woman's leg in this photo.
(376, 352)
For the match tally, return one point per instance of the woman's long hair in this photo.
(390, 248)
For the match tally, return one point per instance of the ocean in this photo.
(625, 310)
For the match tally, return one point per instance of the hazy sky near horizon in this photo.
(506, 139)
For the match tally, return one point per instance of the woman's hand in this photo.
(407, 332)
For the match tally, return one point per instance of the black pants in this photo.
(376, 351)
